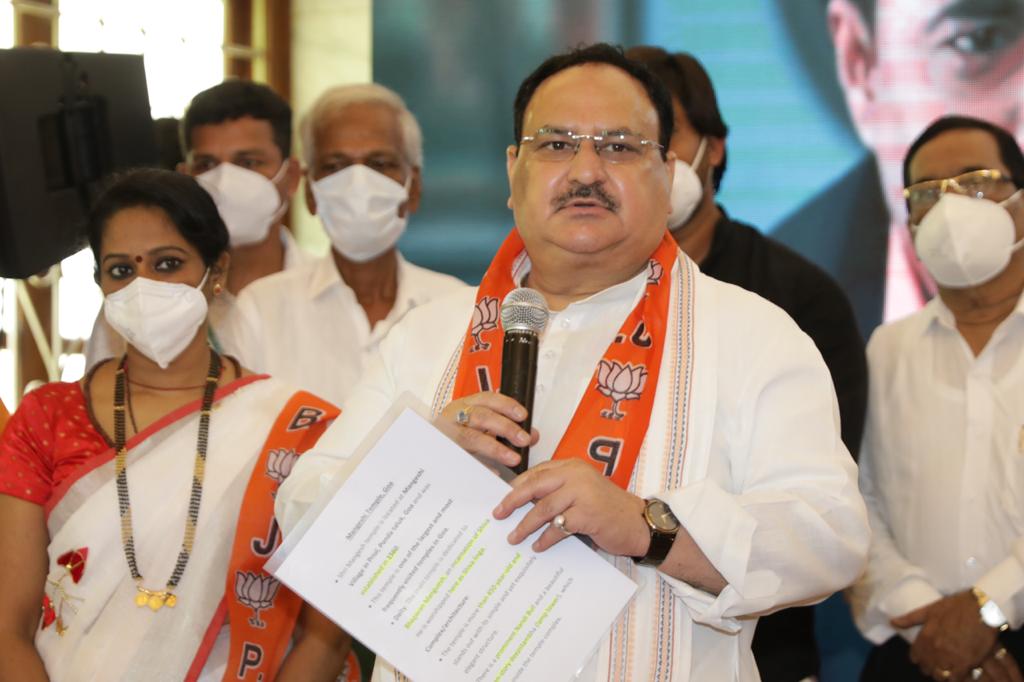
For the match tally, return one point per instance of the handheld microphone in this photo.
(524, 314)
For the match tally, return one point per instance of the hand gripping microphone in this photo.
(524, 314)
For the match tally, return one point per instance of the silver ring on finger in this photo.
(976, 673)
(462, 417)
(559, 523)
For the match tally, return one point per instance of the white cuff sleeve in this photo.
(1002, 584)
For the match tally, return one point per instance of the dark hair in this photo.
(1009, 151)
(234, 99)
(689, 83)
(598, 53)
(188, 206)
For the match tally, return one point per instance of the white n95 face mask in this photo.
(687, 189)
(965, 241)
(248, 202)
(158, 319)
(359, 209)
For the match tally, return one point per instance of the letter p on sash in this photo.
(252, 656)
(605, 451)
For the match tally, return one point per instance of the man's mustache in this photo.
(593, 191)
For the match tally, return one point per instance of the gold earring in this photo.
(217, 288)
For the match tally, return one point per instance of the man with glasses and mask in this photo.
(731, 251)
(316, 326)
(686, 426)
(236, 138)
(942, 464)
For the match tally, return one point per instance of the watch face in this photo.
(661, 517)
(992, 615)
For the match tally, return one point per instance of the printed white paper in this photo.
(407, 557)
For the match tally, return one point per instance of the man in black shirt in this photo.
(784, 644)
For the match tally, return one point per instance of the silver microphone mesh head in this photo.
(524, 310)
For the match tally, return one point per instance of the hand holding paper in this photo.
(407, 557)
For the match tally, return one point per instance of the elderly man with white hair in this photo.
(315, 326)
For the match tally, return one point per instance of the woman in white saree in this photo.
(136, 506)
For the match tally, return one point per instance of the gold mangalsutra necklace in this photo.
(157, 599)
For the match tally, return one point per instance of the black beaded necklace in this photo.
(153, 598)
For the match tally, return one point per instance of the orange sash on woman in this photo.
(611, 420)
(261, 612)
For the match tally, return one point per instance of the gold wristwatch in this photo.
(991, 614)
(663, 526)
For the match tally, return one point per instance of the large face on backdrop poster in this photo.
(822, 98)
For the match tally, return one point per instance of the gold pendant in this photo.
(153, 599)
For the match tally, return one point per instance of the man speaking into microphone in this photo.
(687, 427)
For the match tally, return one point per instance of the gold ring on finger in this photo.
(976, 673)
(1000, 653)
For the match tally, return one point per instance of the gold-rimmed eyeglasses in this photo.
(550, 144)
(981, 184)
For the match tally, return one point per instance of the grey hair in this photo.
(336, 98)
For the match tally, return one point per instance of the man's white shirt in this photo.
(768, 489)
(104, 342)
(942, 468)
(306, 326)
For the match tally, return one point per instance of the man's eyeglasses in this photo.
(548, 144)
(982, 184)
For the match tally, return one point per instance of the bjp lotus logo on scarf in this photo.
(257, 591)
(654, 271)
(619, 382)
(280, 463)
(485, 318)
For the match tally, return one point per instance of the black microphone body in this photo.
(524, 314)
(518, 381)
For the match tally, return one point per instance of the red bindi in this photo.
(138, 259)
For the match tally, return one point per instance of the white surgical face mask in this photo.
(359, 209)
(965, 241)
(248, 202)
(687, 189)
(159, 319)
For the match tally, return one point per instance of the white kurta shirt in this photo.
(306, 326)
(105, 343)
(768, 490)
(942, 468)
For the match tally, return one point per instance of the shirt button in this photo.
(971, 562)
(565, 323)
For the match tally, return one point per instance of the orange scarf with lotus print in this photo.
(611, 420)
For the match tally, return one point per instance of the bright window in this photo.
(6, 24)
(181, 41)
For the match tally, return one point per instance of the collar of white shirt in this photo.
(630, 289)
(940, 316)
(325, 277)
